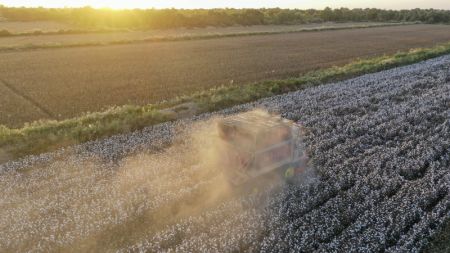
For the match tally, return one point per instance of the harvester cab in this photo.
(257, 143)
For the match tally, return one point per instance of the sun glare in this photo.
(140, 4)
(181, 4)
(118, 4)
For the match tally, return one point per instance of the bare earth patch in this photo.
(68, 82)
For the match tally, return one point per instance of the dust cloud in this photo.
(75, 204)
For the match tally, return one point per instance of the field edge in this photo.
(47, 135)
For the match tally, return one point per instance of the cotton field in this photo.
(380, 145)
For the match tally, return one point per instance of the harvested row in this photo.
(380, 145)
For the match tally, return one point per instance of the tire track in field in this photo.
(26, 98)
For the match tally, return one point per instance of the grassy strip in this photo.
(189, 37)
(45, 136)
(7, 33)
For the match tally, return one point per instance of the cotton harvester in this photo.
(256, 143)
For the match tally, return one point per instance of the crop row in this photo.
(380, 147)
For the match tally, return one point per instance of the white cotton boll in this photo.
(378, 143)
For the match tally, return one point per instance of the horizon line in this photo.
(210, 8)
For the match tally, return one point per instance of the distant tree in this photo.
(173, 18)
(251, 17)
(327, 14)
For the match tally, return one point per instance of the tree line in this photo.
(174, 18)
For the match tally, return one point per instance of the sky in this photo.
(193, 4)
